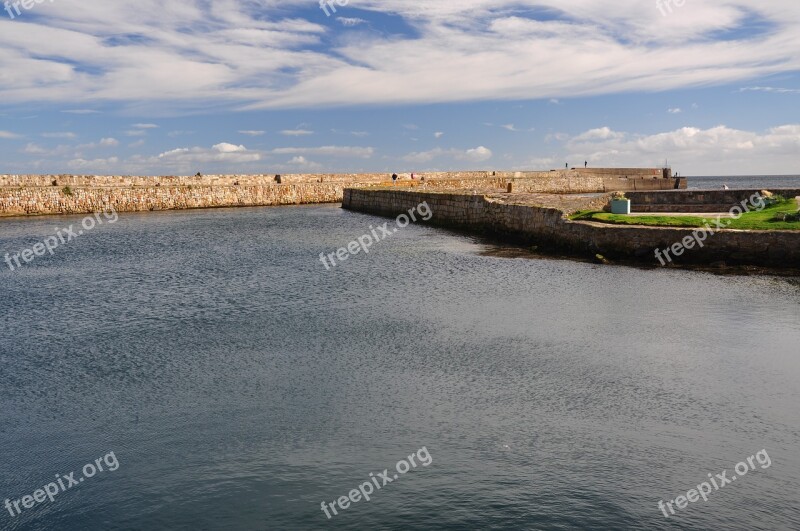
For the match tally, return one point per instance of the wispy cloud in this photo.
(9, 135)
(350, 22)
(250, 132)
(332, 151)
(478, 154)
(775, 90)
(304, 163)
(68, 135)
(699, 149)
(252, 54)
(81, 111)
(296, 132)
(675, 110)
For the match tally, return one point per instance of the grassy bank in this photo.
(755, 220)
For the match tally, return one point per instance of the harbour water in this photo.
(240, 384)
(715, 183)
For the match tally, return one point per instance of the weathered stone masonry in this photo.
(22, 195)
(543, 225)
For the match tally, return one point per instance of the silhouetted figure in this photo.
(394, 177)
(586, 164)
(566, 166)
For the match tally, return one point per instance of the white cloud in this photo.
(350, 22)
(136, 132)
(459, 51)
(35, 149)
(715, 151)
(9, 135)
(303, 163)
(602, 133)
(190, 158)
(438, 134)
(81, 111)
(145, 126)
(252, 133)
(138, 143)
(224, 147)
(776, 90)
(296, 132)
(675, 110)
(94, 165)
(478, 154)
(560, 137)
(513, 128)
(332, 151)
(359, 134)
(104, 142)
(68, 135)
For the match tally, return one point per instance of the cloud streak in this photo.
(245, 57)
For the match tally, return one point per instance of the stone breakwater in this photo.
(80, 200)
(22, 195)
(542, 220)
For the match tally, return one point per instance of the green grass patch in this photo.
(754, 220)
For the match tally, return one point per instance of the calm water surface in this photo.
(240, 384)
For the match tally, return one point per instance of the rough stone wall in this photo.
(50, 200)
(696, 200)
(75, 194)
(549, 226)
(552, 179)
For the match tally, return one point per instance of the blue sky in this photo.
(260, 86)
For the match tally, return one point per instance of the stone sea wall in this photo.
(549, 226)
(22, 195)
(696, 200)
(593, 176)
(80, 200)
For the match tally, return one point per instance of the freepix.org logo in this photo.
(14, 7)
(61, 237)
(325, 4)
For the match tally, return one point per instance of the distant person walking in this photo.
(394, 178)
(566, 166)
(586, 164)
